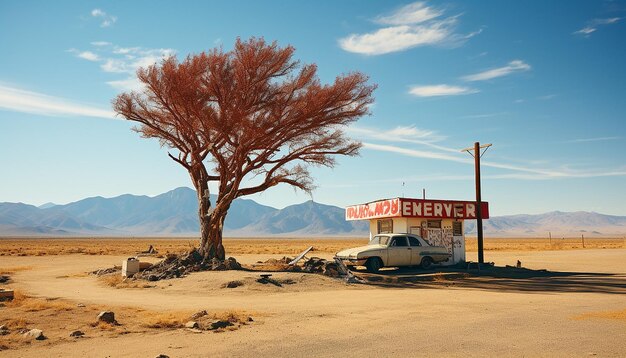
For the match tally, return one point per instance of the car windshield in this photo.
(379, 240)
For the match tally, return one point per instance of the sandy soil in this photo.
(573, 311)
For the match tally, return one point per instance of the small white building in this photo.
(440, 222)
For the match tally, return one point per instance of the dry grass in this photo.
(117, 281)
(176, 319)
(34, 304)
(544, 244)
(231, 315)
(132, 246)
(13, 269)
(611, 315)
(271, 246)
(16, 323)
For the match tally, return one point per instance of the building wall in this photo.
(443, 236)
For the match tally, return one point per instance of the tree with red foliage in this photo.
(255, 116)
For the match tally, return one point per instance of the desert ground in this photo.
(575, 308)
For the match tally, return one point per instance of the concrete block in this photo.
(130, 267)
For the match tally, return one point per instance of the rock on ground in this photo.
(192, 324)
(107, 316)
(36, 334)
(77, 334)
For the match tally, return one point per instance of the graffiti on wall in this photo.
(442, 237)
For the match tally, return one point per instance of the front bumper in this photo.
(348, 261)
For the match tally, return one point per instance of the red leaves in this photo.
(253, 110)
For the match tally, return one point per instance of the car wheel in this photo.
(373, 264)
(427, 263)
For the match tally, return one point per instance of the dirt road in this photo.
(323, 317)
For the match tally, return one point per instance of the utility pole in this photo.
(475, 152)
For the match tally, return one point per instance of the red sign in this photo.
(416, 208)
(379, 209)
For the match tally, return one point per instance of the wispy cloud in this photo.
(107, 20)
(101, 43)
(88, 55)
(411, 26)
(440, 90)
(402, 134)
(597, 139)
(512, 67)
(592, 26)
(519, 171)
(414, 13)
(19, 100)
(123, 60)
(415, 153)
(399, 133)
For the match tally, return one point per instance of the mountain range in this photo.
(174, 213)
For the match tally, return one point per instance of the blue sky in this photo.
(545, 82)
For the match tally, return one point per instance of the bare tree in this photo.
(254, 115)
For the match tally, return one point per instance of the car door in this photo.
(399, 252)
(416, 250)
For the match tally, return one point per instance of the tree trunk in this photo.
(211, 226)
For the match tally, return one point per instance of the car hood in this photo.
(358, 250)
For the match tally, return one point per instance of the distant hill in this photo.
(558, 223)
(174, 213)
(306, 219)
(23, 219)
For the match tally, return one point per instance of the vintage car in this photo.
(395, 250)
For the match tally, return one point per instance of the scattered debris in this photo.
(77, 334)
(4, 330)
(233, 284)
(107, 271)
(151, 251)
(203, 322)
(80, 305)
(107, 317)
(199, 314)
(192, 324)
(36, 334)
(220, 324)
(174, 266)
(265, 279)
(6, 295)
(301, 256)
(4, 278)
(335, 268)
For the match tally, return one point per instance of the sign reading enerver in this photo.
(401, 207)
